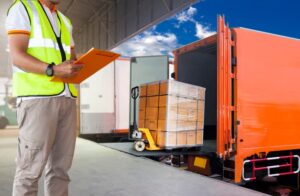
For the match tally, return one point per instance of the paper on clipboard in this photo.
(93, 61)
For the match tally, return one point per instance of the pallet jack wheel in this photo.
(139, 146)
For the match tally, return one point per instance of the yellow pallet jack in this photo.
(142, 136)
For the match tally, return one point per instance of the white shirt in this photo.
(17, 22)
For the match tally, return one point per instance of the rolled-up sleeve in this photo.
(17, 21)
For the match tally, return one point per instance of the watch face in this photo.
(49, 71)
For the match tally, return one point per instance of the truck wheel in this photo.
(139, 146)
(3, 122)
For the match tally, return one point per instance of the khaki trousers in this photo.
(46, 141)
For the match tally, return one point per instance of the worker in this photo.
(41, 47)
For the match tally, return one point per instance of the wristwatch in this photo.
(49, 70)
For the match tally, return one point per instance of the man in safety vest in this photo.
(41, 46)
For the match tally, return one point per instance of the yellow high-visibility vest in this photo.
(47, 47)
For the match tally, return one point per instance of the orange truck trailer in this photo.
(252, 109)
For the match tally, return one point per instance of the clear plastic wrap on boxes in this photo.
(173, 111)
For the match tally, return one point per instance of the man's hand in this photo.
(67, 69)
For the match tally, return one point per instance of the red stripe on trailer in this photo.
(286, 173)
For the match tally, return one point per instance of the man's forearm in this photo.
(28, 63)
(18, 45)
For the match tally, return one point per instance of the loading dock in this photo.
(98, 170)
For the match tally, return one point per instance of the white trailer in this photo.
(104, 99)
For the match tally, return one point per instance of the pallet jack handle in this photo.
(135, 93)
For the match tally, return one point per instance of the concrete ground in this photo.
(101, 171)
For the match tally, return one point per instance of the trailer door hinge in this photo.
(233, 61)
(233, 108)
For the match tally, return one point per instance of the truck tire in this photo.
(3, 122)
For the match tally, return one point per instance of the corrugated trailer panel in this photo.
(268, 72)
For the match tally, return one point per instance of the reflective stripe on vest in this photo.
(47, 47)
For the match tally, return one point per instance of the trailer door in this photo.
(144, 70)
(225, 102)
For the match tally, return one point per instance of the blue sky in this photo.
(199, 21)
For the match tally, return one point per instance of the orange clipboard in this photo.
(93, 61)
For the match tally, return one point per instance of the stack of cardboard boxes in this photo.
(174, 113)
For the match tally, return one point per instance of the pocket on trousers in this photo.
(21, 113)
(28, 153)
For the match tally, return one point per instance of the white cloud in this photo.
(187, 15)
(152, 42)
(148, 43)
(202, 31)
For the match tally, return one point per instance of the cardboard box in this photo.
(169, 87)
(200, 119)
(142, 114)
(191, 137)
(143, 91)
(151, 124)
(174, 113)
(169, 113)
(201, 105)
(153, 89)
(168, 101)
(165, 139)
(167, 125)
(200, 125)
(142, 102)
(181, 138)
(187, 103)
(141, 123)
(154, 135)
(151, 113)
(186, 125)
(193, 91)
(152, 101)
(199, 137)
(201, 93)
